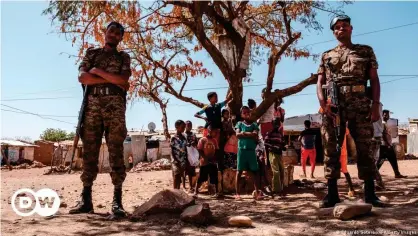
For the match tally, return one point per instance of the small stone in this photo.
(412, 201)
(75, 190)
(384, 199)
(240, 221)
(159, 181)
(348, 210)
(21, 195)
(62, 188)
(100, 206)
(63, 205)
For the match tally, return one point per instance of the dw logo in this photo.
(45, 202)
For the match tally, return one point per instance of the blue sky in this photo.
(31, 64)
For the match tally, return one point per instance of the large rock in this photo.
(348, 210)
(240, 221)
(197, 214)
(166, 201)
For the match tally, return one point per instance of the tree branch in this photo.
(298, 87)
(184, 83)
(272, 97)
(274, 58)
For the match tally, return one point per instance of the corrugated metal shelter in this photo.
(138, 146)
(413, 143)
(18, 150)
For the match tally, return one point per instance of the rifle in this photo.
(80, 122)
(332, 92)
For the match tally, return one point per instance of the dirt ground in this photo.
(296, 214)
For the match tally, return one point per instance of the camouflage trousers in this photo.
(104, 114)
(355, 114)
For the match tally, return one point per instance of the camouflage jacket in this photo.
(112, 62)
(354, 62)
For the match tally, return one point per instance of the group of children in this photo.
(228, 144)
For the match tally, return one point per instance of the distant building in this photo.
(18, 151)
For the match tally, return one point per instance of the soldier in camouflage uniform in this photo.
(106, 72)
(354, 65)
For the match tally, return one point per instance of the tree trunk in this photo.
(165, 120)
(237, 90)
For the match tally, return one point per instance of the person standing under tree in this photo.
(106, 71)
(275, 145)
(231, 145)
(213, 114)
(191, 143)
(208, 147)
(350, 66)
(178, 144)
(247, 134)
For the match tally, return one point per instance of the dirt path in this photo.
(297, 214)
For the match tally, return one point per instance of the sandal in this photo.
(259, 196)
(237, 197)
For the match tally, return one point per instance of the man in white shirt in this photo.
(377, 140)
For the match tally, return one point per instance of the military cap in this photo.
(339, 18)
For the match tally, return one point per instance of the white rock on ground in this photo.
(240, 221)
(348, 210)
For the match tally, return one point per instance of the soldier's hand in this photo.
(328, 112)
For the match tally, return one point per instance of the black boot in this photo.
(370, 195)
(117, 208)
(332, 197)
(85, 205)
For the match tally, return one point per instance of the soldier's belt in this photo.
(105, 91)
(352, 89)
